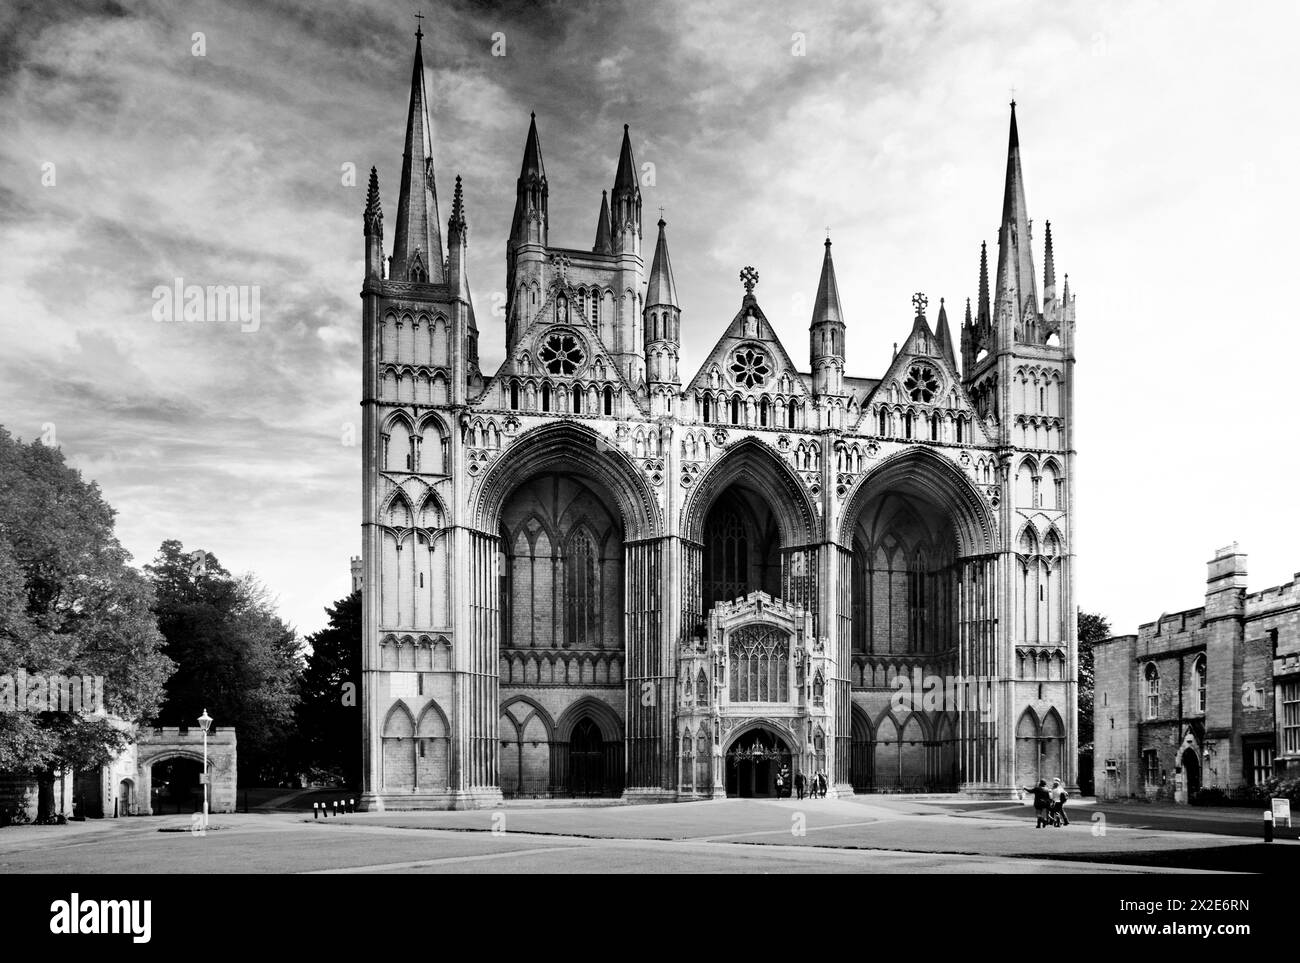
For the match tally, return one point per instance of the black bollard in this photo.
(1268, 825)
(315, 811)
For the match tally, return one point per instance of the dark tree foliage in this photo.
(234, 656)
(70, 606)
(329, 706)
(1093, 628)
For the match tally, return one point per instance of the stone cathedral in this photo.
(596, 572)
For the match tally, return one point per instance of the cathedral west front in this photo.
(598, 571)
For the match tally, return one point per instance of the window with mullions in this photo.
(1151, 767)
(759, 658)
(726, 559)
(1153, 691)
(1291, 718)
(583, 590)
(1200, 684)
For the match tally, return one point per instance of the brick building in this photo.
(587, 574)
(1205, 698)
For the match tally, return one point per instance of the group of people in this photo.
(814, 785)
(1049, 804)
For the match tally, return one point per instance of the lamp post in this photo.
(205, 721)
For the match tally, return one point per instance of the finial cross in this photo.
(919, 301)
(419, 28)
(748, 277)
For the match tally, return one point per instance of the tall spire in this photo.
(417, 243)
(1016, 285)
(625, 221)
(457, 220)
(1049, 268)
(604, 243)
(625, 178)
(661, 288)
(984, 314)
(531, 193)
(827, 305)
(532, 164)
(944, 336)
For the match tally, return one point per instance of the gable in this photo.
(749, 366)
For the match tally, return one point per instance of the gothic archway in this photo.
(753, 759)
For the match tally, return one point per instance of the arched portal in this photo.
(175, 784)
(752, 762)
(1191, 771)
(909, 524)
(749, 526)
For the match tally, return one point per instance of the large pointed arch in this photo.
(752, 462)
(605, 718)
(937, 479)
(575, 449)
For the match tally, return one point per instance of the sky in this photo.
(212, 142)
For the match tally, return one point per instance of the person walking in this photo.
(1042, 803)
(799, 782)
(1059, 796)
(821, 783)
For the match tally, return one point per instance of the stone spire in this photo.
(531, 195)
(417, 242)
(604, 243)
(1016, 291)
(1049, 268)
(985, 314)
(373, 225)
(827, 305)
(661, 288)
(625, 221)
(944, 337)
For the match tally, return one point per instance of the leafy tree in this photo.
(234, 656)
(1093, 628)
(329, 707)
(70, 605)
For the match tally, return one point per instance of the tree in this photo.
(329, 705)
(1093, 628)
(234, 656)
(70, 605)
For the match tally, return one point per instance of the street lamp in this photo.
(205, 721)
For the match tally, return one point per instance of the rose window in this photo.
(562, 354)
(750, 368)
(921, 383)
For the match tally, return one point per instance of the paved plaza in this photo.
(877, 834)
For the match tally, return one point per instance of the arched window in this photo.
(884, 423)
(1153, 690)
(907, 426)
(1200, 683)
(792, 409)
(609, 400)
(735, 409)
(514, 394)
(961, 424)
(582, 573)
(934, 429)
(706, 408)
(577, 399)
(762, 413)
(726, 558)
(546, 397)
(759, 664)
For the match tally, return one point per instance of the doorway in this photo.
(586, 760)
(753, 762)
(1192, 772)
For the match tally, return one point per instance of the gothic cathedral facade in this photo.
(586, 574)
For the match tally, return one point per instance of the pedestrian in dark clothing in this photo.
(821, 783)
(1042, 802)
(799, 782)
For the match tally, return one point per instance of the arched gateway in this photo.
(592, 574)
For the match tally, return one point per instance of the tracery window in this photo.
(726, 559)
(749, 367)
(562, 354)
(583, 577)
(921, 383)
(759, 663)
